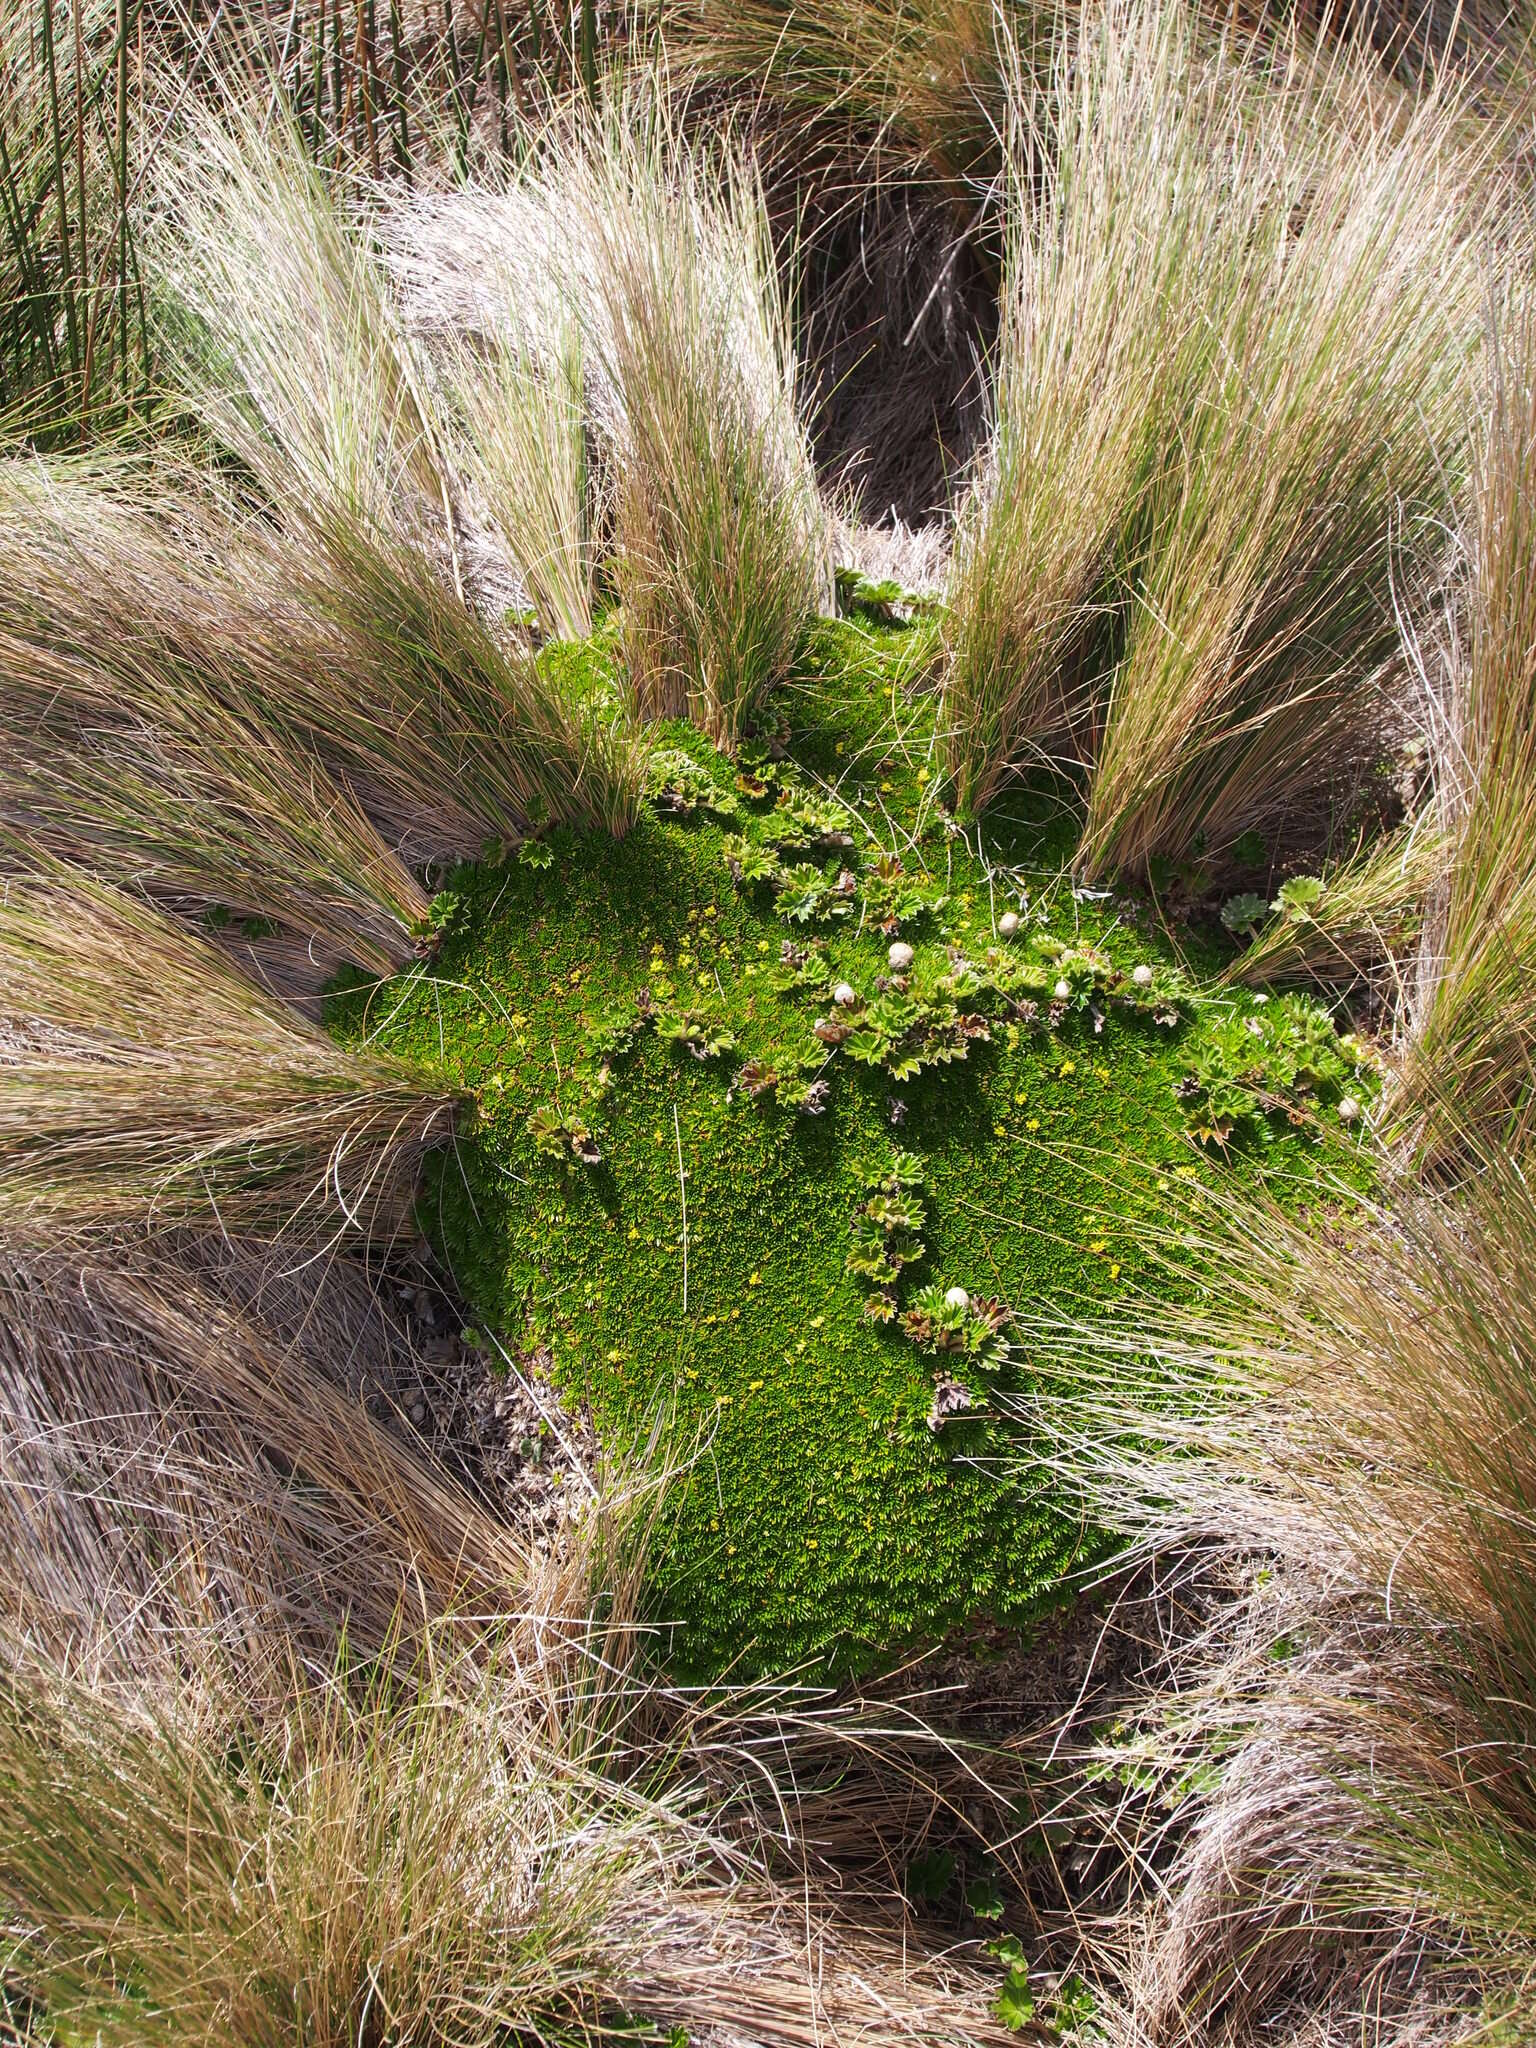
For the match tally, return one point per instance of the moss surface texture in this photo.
(706, 1013)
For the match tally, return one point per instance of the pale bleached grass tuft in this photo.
(291, 353)
(658, 251)
(146, 1082)
(1341, 1415)
(1240, 315)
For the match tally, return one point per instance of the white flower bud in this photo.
(1062, 991)
(957, 1298)
(1008, 923)
(900, 956)
(1142, 976)
(1349, 1110)
(845, 995)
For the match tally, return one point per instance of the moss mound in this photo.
(653, 1024)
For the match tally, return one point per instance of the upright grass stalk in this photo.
(147, 1083)
(73, 338)
(294, 359)
(1187, 579)
(1476, 1039)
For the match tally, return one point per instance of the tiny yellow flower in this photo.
(614, 1357)
(811, 1543)
(923, 778)
(633, 1233)
(1020, 1099)
(1033, 1124)
(817, 1321)
(754, 1279)
(1100, 1244)
(1114, 1271)
(1067, 1067)
(754, 1385)
(999, 1130)
(703, 981)
(730, 1550)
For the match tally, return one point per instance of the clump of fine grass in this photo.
(1186, 580)
(718, 522)
(1477, 1029)
(134, 675)
(293, 358)
(524, 430)
(146, 1082)
(1352, 1402)
(181, 1456)
(657, 254)
(535, 1847)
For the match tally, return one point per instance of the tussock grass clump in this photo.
(1184, 576)
(657, 253)
(1477, 1030)
(719, 528)
(182, 1455)
(542, 1847)
(294, 359)
(922, 87)
(146, 1081)
(134, 682)
(1353, 1402)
